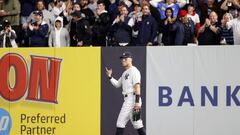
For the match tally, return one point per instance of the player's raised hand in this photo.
(108, 72)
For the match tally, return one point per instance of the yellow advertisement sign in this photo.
(48, 91)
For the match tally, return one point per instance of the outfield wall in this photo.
(185, 90)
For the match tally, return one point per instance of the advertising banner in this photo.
(59, 91)
(50, 91)
(193, 90)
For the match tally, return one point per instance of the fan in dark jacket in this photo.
(168, 36)
(83, 33)
(122, 28)
(38, 31)
(87, 11)
(184, 28)
(210, 32)
(146, 27)
(101, 25)
(27, 7)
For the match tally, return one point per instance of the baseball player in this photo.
(130, 83)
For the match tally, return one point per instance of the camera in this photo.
(6, 24)
(7, 28)
(34, 22)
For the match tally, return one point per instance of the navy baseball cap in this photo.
(78, 14)
(40, 13)
(126, 55)
(6, 23)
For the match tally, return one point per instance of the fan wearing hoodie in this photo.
(59, 36)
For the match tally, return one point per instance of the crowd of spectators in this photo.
(64, 23)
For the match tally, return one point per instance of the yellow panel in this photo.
(78, 95)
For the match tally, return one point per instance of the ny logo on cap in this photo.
(126, 76)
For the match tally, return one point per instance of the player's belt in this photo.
(126, 95)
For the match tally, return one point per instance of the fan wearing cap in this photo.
(184, 28)
(38, 31)
(7, 35)
(130, 81)
(76, 7)
(82, 34)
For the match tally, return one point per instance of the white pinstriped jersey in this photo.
(129, 78)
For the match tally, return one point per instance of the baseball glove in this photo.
(136, 115)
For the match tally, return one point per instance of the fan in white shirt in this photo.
(59, 36)
(235, 25)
